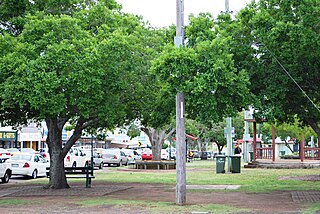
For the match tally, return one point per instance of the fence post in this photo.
(254, 140)
(273, 143)
(301, 150)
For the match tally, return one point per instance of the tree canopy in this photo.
(86, 68)
(284, 35)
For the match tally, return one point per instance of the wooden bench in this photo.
(155, 165)
(77, 172)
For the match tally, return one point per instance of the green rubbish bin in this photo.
(235, 163)
(251, 156)
(220, 163)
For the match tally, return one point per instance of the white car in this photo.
(76, 158)
(45, 154)
(171, 153)
(13, 151)
(113, 156)
(28, 150)
(132, 155)
(164, 154)
(4, 153)
(26, 164)
(5, 171)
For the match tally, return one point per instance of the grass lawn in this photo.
(200, 173)
(204, 173)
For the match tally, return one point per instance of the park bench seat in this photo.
(77, 173)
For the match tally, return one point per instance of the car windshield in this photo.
(21, 157)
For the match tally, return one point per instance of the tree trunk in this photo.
(156, 138)
(57, 153)
(57, 178)
(220, 147)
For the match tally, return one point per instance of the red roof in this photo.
(250, 140)
(188, 136)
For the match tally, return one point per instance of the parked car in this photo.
(13, 151)
(171, 153)
(4, 154)
(210, 154)
(76, 157)
(164, 154)
(113, 156)
(146, 154)
(5, 170)
(26, 164)
(44, 153)
(203, 155)
(132, 155)
(97, 158)
(29, 150)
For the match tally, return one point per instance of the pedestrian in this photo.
(237, 149)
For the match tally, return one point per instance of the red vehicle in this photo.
(146, 154)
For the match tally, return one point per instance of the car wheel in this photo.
(120, 163)
(34, 174)
(6, 177)
(101, 165)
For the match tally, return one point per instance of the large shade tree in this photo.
(284, 35)
(82, 68)
(205, 71)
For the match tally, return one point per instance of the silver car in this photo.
(113, 156)
(97, 158)
(132, 155)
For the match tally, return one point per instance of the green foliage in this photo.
(213, 87)
(283, 130)
(285, 32)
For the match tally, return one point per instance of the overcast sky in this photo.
(161, 13)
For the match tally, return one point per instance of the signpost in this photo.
(228, 134)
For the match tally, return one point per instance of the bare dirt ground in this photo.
(67, 200)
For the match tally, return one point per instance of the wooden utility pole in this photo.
(180, 119)
(181, 150)
(227, 6)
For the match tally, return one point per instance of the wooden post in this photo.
(181, 150)
(301, 150)
(254, 140)
(273, 143)
(318, 146)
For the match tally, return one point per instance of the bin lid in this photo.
(220, 156)
(235, 156)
